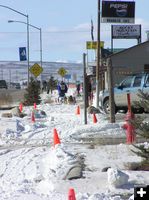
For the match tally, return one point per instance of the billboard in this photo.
(126, 31)
(118, 11)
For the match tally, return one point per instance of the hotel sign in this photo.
(118, 11)
(126, 31)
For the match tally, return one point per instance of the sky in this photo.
(65, 25)
(36, 166)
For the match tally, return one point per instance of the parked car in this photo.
(131, 84)
(3, 84)
(15, 85)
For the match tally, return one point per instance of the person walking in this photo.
(62, 90)
(78, 89)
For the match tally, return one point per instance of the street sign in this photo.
(93, 45)
(22, 53)
(36, 70)
(67, 76)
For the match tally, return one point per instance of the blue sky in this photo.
(65, 28)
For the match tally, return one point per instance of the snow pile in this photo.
(31, 168)
(58, 164)
(117, 178)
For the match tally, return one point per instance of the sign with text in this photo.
(22, 53)
(118, 11)
(126, 31)
(93, 45)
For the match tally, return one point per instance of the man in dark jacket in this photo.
(62, 89)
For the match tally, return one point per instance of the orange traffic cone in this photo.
(35, 106)
(94, 118)
(71, 194)
(56, 137)
(21, 107)
(78, 110)
(33, 117)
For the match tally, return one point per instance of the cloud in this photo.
(85, 26)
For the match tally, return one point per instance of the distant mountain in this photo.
(16, 71)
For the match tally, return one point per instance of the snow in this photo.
(33, 168)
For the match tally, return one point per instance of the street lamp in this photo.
(98, 71)
(27, 23)
(10, 21)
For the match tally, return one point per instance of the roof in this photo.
(135, 46)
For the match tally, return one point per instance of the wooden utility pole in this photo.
(98, 81)
(111, 91)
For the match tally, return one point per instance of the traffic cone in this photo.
(33, 117)
(35, 106)
(78, 110)
(71, 194)
(56, 137)
(21, 107)
(94, 118)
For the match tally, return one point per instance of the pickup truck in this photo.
(131, 84)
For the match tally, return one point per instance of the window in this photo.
(127, 82)
(137, 81)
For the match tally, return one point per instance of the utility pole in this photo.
(85, 94)
(98, 82)
(111, 91)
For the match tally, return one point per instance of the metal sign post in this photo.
(85, 96)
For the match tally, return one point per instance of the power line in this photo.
(66, 31)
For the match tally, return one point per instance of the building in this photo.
(124, 62)
(129, 61)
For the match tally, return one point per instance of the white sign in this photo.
(126, 31)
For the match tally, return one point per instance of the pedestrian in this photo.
(44, 85)
(78, 89)
(62, 90)
(89, 91)
(50, 85)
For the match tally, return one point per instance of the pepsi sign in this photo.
(118, 11)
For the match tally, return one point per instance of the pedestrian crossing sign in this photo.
(36, 70)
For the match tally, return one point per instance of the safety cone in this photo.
(21, 107)
(35, 106)
(56, 137)
(71, 194)
(78, 110)
(94, 118)
(33, 117)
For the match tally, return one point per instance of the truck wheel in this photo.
(106, 107)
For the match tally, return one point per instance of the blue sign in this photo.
(22, 53)
(67, 76)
